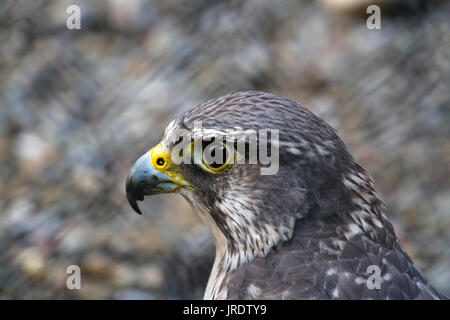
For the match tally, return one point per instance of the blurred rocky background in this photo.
(77, 107)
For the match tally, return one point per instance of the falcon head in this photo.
(246, 208)
(291, 213)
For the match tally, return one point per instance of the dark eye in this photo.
(216, 156)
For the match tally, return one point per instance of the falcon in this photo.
(313, 228)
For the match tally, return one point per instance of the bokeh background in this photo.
(79, 106)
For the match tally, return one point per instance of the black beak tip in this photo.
(133, 194)
(134, 205)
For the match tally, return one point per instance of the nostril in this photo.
(153, 177)
(160, 162)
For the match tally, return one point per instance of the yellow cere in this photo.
(160, 158)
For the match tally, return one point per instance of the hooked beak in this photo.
(144, 180)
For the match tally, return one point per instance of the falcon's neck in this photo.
(240, 237)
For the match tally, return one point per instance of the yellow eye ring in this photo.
(216, 162)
